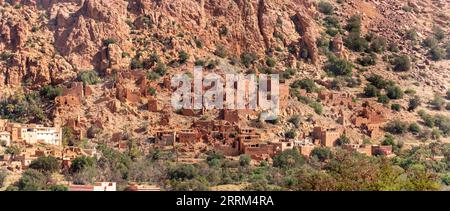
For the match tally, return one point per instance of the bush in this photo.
(161, 69)
(244, 160)
(378, 81)
(326, 7)
(81, 163)
(288, 159)
(183, 56)
(448, 95)
(402, 63)
(45, 164)
(383, 99)
(394, 92)
(343, 139)
(414, 103)
(354, 24)
(438, 102)
(430, 42)
(439, 33)
(88, 77)
(317, 107)
(437, 53)
(368, 60)
(58, 188)
(248, 58)
(337, 67)
(378, 44)
(414, 128)
(356, 43)
(295, 120)
(221, 51)
(308, 84)
(321, 153)
(49, 92)
(270, 62)
(411, 34)
(32, 180)
(396, 107)
(291, 134)
(371, 91)
(109, 41)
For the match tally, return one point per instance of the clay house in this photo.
(304, 147)
(227, 149)
(73, 94)
(326, 137)
(136, 187)
(188, 136)
(126, 95)
(165, 138)
(363, 149)
(259, 151)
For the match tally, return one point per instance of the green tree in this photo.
(371, 91)
(48, 164)
(322, 153)
(32, 180)
(288, 159)
(80, 163)
(394, 92)
(402, 63)
(244, 160)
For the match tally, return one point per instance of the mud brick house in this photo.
(304, 147)
(126, 95)
(363, 149)
(165, 138)
(188, 136)
(73, 95)
(227, 149)
(326, 137)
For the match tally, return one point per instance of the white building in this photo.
(33, 134)
(5, 137)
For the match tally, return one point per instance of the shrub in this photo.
(248, 58)
(393, 47)
(343, 139)
(410, 91)
(367, 60)
(290, 134)
(308, 84)
(221, 51)
(136, 64)
(81, 163)
(288, 159)
(396, 107)
(45, 164)
(295, 120)
(371, 91)
(448, 95)
(411, 34)
(438, 102)
(270, 62)
(109, 41)
(378, 44)
(244, 160)
(414, 128)
(321, 153)
(437, 53)
(394, 92)
(337, 66)
(439, 33)
(430, 42)
(88, 77)
(49, 92)
(402, 63)
(317, 107)
(183, 56)
(354, 24)
(58, 188)
(326, 7)
(223, 30)
(378, 81)
(332, 21)
(32, 180)
(383, 99)
(161, 69)
(3, 175)
(414, 103)
(356, 43)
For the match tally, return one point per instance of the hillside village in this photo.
(86, 86)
